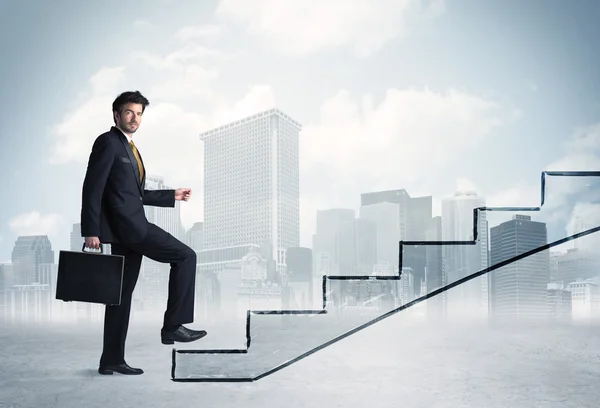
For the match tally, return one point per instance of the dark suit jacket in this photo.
(113, 198)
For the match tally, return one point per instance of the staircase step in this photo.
(276, 340)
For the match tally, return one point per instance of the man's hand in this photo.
(183, 194)
(92, 242)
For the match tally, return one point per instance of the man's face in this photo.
(130, 117)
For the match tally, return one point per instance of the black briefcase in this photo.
(92, 277)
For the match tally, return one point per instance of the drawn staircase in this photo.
(275, 343)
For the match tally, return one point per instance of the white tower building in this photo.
(252, 183)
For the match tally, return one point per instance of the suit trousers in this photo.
(159, 246)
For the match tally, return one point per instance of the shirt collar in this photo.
(129, 139)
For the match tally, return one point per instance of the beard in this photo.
(131, 127)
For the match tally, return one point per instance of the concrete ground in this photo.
(391, 364)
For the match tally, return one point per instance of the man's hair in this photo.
(129, 97)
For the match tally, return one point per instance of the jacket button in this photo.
(141, 199)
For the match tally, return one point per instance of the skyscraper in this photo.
(576, 264)
(434, 272)
(386, 217)
(470, 299)
(414, 216)
(400, 197)
(252, 183)
(195, 236)
(28, 255)
(76, 242)
(519, 290)
(324, 240)
(356, 247)
(166, 218)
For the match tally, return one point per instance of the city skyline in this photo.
(458, 212)
(576, 223)
(574, 271)
(371, 120)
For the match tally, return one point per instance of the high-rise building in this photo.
(76, 241)
(195, 236)
(30, 296)
(576, 264)
(356, 247)
(300, 278)
(400, 197)
(299, 264)
(553, 268)
(167, 218)
(419, 214)
(585, 299)
(583, 221)
(414, 215)
(519, 290)
(559, 303)
(470, 299)
(324, 239)
(252, 183)
(386, 217)
(28, 254)
(7, 281)
(434, 271)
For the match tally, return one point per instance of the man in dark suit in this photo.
(113, 200)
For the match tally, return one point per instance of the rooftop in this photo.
(248, 119)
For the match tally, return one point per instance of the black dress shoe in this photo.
(182, 335)
(119, 368)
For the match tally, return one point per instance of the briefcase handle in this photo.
(101, 248)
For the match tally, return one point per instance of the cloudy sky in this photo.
(427, 95)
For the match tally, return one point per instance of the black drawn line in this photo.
(402, 244)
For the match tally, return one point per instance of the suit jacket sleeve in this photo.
(159, 198)
(99, 165)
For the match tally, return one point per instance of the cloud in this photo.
(519, 195)
(198, 32)
(168, 138)
(259, 97)
(183, 83)
(35, 223)
(584, 139)
(298, 28)
(185, 75)
(582, 153)
(566, 197)
(465, 185)
(75, 133)
(166, 80)
(357, 145)
(106, 80)
(408, 131)
(142, 24)
(583, 217)
(182, 58)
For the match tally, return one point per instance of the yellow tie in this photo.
(137, 158)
